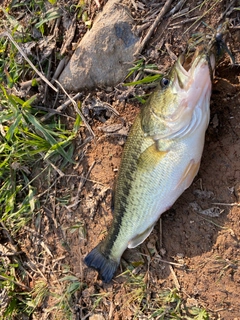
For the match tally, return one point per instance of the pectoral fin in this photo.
(189, 174)
(151, 157)
(140, 238)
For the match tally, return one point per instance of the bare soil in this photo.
(206, 249)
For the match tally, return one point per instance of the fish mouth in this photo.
(188, 68)
(191, 83)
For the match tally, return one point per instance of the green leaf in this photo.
(69, 278)
(29, 101)
(77, 124)
(13, 128)
(31, 198)
(73, 287)
(52, 1)
(51, 15)
(47, 135)
(34, 82)
(147, 79)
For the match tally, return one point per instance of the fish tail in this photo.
(105, 266)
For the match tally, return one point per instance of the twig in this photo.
(48, 75)
(176, 8)
(61, 174)
(169, 262)
(76, 109)
(227, 204)
(7, 34)
(182, 13)
(30, 264)
(53, 111)
(61, 107)
(226, 11)
(154, 25)
(180, 23)
(203, 15)
(171, 54)
(24, 85)
(87, 316)
(58, 259)
(134, 4)
(153, 71)
(59, 69)
(175, 279)
(45, 247)
(69, 36)
(68, 102)
(11, 254)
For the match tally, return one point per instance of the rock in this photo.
(105, 53)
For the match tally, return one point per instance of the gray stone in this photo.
(105, 53)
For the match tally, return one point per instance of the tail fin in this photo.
(105, 266)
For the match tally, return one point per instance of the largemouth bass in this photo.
(160, 159)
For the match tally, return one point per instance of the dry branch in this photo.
(154, 25)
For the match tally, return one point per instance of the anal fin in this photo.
(189, 174)
(140, 238)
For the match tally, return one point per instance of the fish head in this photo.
(169, 111)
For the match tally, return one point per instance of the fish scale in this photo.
(160, 159)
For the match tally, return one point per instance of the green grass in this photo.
(139, 67)
(163, 304)
(172, 306)
(27, 143)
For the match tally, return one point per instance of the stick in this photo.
(169, 262)
(175, 279)
(77, 109)
(61, 174)
(226, 11)
(59, 69)
(227, 204)
(60, 108)
(176, 8)
(26, 84)
(154, 25)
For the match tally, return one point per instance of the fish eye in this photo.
(164, 82)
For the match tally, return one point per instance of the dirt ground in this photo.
(205, 249)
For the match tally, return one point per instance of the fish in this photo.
(160, 159)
